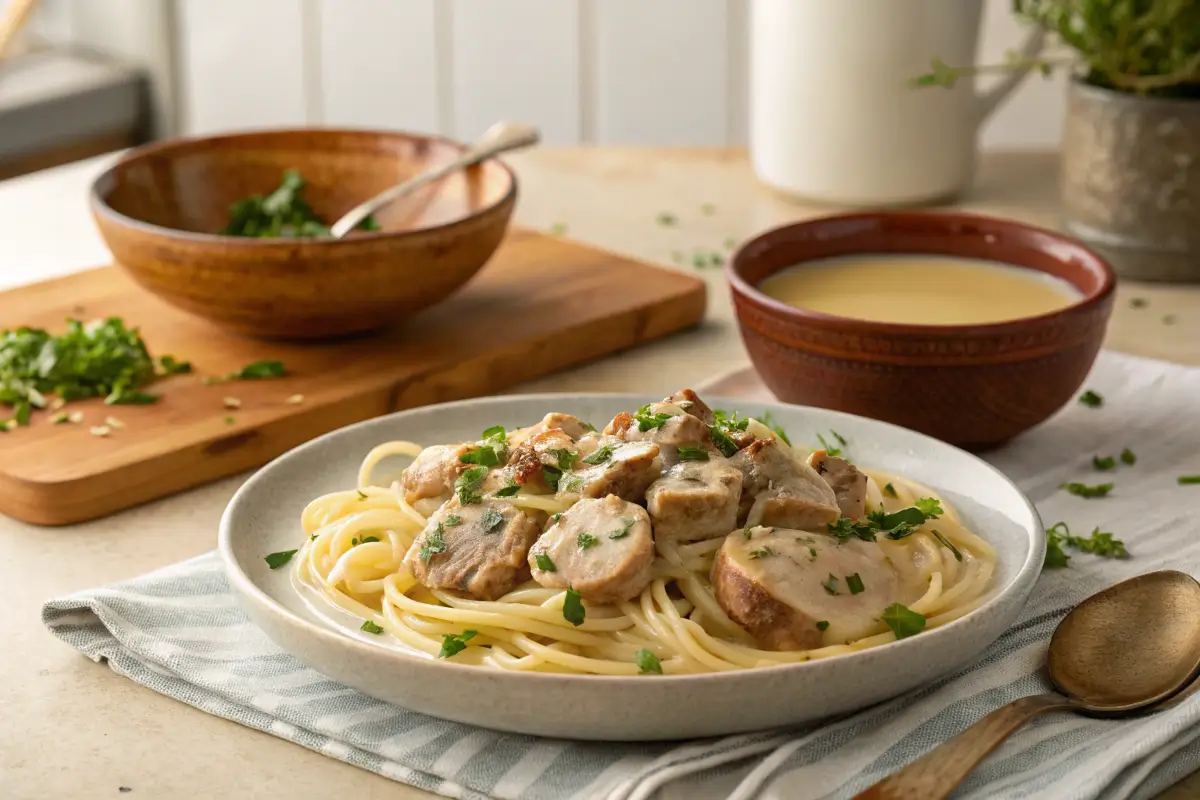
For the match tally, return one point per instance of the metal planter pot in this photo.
(1131, 181)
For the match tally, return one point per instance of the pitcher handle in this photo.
(987, 101)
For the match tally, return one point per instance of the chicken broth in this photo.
(920, 289)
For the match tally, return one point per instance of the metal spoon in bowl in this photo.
(1128, 649)
(500, 138)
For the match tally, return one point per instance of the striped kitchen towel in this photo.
(179, 631)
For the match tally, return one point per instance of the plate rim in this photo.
(1022, 581)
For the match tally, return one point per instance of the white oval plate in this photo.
(264, 517)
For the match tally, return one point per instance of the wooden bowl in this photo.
(970, 385)
(159, 210)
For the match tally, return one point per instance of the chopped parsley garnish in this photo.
(1186, 480)
(466, 485)
(930, 507)
(1098, 543)
(435, 542)
(647, 420)
(949, 545)
(600, 455)
(491, 520)
(494, 432)
(551, 475)
(725, 425)
(903, 621)
(854, 583)
(573, 610)
(829, 449)
(1128, 458)
(763, 553)
(769, 421)
(361, 495)
(169, 365)
(455, 643)
(588, 426)
(586, 540)
(554, 518)
(648, 663)
(621, 533)
(508, 491)
(1105, 463)
(1091, 399)
(693, 454)
(721, 439)
(102, 358)
(846, 529)
(284, 213)
(747, 531)
(830, 585)
(277, 560)
(369, 539)
(452, 521)
(895, 526)
(1083, 490)
(565, 458)
(371, 627)
(544, 563)
(812, 553)
(889, 490)
(823, 625)
(484, 456)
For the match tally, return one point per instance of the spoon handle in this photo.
(936, 774)
(500, 138)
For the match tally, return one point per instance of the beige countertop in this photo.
(73, 729)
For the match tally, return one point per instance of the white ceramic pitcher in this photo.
(833, 114)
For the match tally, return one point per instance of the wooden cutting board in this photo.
(541, 304)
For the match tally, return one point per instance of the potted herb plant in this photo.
(1131, 143)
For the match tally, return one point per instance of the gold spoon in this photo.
(1130, 648)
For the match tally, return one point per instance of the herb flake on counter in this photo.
(284, 213)
(1085, 491)
(1168, 319)
(586, 540)
(544, 563)
(573, 610)
(455, 643)
(1104, 464)
(648, 663)
(1099, 543)
(60, 417)
(1091, 399)
(435, 543)
(730, 243)
(558, 229)
(277, 560)
(667, 219)
(230, 420)
(854, 584)
(1138, 302)
(949, 545)
(708, 209)
(371, 627)
(1188, 480)
(903, 621)
(693, 454)
(1127, 457)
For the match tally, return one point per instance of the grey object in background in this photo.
(1131, 181)
(58, 106)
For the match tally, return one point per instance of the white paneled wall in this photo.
(608, 71)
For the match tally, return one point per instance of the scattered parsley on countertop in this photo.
(1127, 457)
(1085, 491)
(1098, 543)
(648, 663)
(1091, 399)
(667, 219)
(277, 560)
(455, 643)
(255, 371)
(903, 621)
(1187, 480)
(1105, 463)
(1138, 302)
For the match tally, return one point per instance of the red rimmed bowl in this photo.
(160, 209)
(975, 386)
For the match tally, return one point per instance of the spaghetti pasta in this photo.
(354, 560)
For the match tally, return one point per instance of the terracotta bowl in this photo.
(970, 385)
(159, 210)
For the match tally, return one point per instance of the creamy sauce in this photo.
(920, 290)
